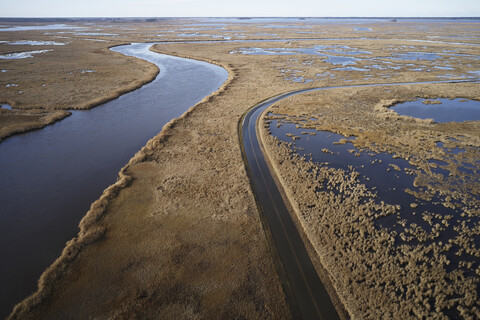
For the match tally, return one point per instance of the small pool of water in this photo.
(362, 29)
(47, 27)
(416, 56)
(340, 60)
(443, 68)
(5, 106)
(33, 43)
(351, 69)
(22, 55)
(447, 110)
(265, 34)
(298, 79)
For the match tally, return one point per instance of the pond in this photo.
(441, 110)
(362, 29)
(22, 55)
(44, 27)
(388, 176)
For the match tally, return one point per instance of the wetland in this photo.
(415, 191)
(386, 202)
(66, 167)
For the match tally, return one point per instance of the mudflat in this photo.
(179, 234)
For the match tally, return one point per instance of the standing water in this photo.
(49, 177)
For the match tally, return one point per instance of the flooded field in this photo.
(383, 182)
(391, 178)
(415, 190)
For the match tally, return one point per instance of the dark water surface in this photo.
(448, 110)
(378, 174)
(49, 177)
(389, 185)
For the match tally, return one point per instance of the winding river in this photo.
(49, 177)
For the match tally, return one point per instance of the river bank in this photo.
(77, 75)
(181, 235)
(50, 177)
(189, 192)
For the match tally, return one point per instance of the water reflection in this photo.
(441, 110)
(49, 177)
(22, 55)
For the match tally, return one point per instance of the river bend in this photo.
(49, 177)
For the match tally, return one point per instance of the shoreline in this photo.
(192, 173)
(297, 172)
(91, 230)
(56, 116)
(325, 275)
(19, 128)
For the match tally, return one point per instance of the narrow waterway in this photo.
(49, 177)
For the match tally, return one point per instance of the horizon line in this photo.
(242, 17)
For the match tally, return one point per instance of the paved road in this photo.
(310, 295)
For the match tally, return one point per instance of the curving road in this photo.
(310, 295)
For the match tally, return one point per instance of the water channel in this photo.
(307, 289)
(49, 177)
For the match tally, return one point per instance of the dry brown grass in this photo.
(18, 121)
(374, 276)
(54, 80)
(179, 235)
(186, 230)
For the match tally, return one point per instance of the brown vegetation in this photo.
(78, 75)
(405, 269)
(18, 121)
(179, 235)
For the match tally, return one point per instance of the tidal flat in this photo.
(180, 236)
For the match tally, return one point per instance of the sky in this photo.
(251, 8)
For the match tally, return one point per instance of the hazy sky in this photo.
(226, 8)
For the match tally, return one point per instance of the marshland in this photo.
(125, 194)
